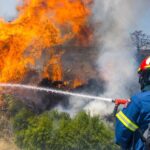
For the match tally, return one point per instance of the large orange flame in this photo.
(40, 25)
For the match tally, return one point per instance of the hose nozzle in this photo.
(119, 102)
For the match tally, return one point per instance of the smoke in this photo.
(75, 105)
(117, 62)
(117, 66)
(93, 87)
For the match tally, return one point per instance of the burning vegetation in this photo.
(42, 41)
(50, 44)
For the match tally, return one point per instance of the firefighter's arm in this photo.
(126, 124)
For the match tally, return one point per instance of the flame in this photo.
(77, 82)
(54, 69)
(40, 26)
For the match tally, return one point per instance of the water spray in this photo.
(29, 87)
(85, 96)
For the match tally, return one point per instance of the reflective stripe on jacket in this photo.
(126, 121)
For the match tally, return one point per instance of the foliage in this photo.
(57, 131)
(52, 130)
(140, 40)
(14, 105)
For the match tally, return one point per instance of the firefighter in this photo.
(133, 121)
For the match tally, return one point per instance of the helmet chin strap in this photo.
(142, 84)
(144, 79)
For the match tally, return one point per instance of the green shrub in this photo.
(57, 131)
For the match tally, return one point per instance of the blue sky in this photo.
(144, 22)
(8, 11)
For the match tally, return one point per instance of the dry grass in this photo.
(6, 133)
(5, 145)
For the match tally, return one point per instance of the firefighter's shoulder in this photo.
(141, 98)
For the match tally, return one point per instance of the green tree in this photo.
(57, 131)
(52, 130)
